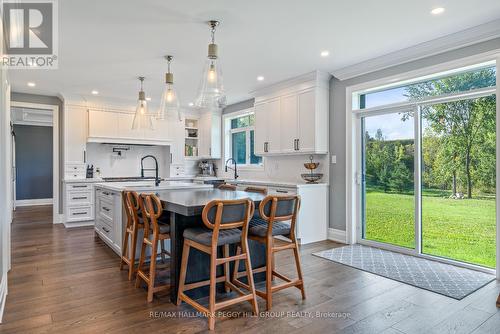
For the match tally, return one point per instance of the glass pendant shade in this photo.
(169, 103)
(211, 92)
(142, 118)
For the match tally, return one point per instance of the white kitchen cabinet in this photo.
(267, 127)
(177, 133)
(209, 132)
(75, 134)
(292, 117)
(116, 127)
(78, 204)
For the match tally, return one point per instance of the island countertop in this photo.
(149, 186)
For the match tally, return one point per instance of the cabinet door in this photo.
(204, 134)
(177, 133)
(289, 123)
(274, 126)
(215, 149)
(261, 124)
(75, 134)
(306, 121)
(160, 132)
(103, 124)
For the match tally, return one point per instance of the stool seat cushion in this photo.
(203, 236)
(164, 228)
(258, 227)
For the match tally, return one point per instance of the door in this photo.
(14, 169)
(289, 124)
(307, 122)
(387, 179)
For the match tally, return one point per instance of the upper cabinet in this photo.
(209, 132)
(116, 127)
(292, 117)
(75, 134)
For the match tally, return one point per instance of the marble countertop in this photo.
(150, 186)
(276, 183)
(94, 180)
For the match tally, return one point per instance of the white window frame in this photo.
(353, 163)
(227, 138)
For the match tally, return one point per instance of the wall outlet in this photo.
(334, 159)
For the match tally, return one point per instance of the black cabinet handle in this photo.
(105, 208)
(83, 197)
(80, 186)
(106, 193)
(105, 229)
(298, 146)
(281, 191)
(79, 213)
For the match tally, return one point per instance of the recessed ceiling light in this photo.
(260, 78)
(95, 92)
(191, 104)
(437, 11)
(325, 53)
(148, 99)
(31, 84)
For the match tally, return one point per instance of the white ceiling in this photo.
(106, 44)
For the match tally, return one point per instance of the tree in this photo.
(461, 125)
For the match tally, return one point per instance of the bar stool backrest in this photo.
(227, 214)
(276, 208)
(132, 209)
(151, 209)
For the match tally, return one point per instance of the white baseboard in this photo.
(79, 224)
(32, 202)
(59, 219)
(3, 295)
(337, 235)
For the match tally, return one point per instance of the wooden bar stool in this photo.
(226, 186)
(154, 234)
(226, 223)
(134, 224)
(274, 211)
(257, 190)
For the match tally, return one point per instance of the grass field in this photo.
(462, 230)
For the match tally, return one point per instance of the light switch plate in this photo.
(334, 159)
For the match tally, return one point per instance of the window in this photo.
(240, 139)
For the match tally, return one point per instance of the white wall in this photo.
(129, 164)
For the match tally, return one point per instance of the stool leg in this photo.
(269, 274)
(182, 276)
(236, 264)
(251, 284)
(213, 273)
(124, 249)
(152, 269)
(225, 253)
(162, 254)
(141, 264)
(299, 269)
(133, 247)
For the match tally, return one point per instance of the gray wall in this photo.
(238, 106)
(52, 100)
(338, 119)
(33, 162)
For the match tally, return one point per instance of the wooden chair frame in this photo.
(132, 207)
(226, 186)
(244, 255)
(271, 249)
(151, 227)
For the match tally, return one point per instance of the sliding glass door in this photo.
(427, 168)
(388, 182)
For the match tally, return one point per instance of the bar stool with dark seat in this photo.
(274, 212)
(134, 224)
(155, 233)
(226, 223)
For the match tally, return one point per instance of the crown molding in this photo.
(474, 35)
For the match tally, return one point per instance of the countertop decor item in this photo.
(311, 177)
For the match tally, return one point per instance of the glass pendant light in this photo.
(142, 119)
(211, 94)
(169, 104)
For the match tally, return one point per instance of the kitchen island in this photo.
(110, 218)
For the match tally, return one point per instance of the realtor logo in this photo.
(30, 34)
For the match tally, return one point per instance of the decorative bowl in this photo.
(311, 177)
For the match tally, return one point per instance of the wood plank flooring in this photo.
(68, 281)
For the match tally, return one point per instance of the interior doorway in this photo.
(35, 155)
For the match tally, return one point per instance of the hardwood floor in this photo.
(68, 281)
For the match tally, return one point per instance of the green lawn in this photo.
(462, 230)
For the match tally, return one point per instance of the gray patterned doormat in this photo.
(445, 279)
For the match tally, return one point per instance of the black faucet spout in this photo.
(157, 178)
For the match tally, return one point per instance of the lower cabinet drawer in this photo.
(79, 197)
(80, 213)
(105, 209)
(104, 229)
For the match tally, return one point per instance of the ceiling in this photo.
(106, 45)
